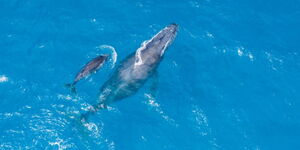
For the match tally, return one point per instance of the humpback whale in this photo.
(134, 70)
(89, 68)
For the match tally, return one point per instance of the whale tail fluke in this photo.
(84, 117)
(72, 87)
(95, 108)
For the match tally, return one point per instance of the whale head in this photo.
(151, 51)
(163, 39)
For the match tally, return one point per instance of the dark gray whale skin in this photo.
(89, 68)
(134, 71)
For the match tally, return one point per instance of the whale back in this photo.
(135, 69)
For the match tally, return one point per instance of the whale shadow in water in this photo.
(134, 70)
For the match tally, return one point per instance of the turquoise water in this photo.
(229, 81)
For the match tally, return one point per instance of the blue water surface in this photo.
(229, 81)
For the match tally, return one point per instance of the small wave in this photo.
(110, 144)
(61, 144)
(152, 103)
(190, 33)
(66, 97)
(114, 53)
(201, 121)
(274, 61)
(242, 52)
(208, 34)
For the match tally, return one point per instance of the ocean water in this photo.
(230, 80)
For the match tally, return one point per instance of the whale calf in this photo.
(89, 68)
(133, 71)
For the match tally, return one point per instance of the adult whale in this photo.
(134, 70)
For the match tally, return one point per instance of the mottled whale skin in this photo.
(134, 70)
(89, 68)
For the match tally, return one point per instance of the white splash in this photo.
(95, 131)
(163, 51)
(104, 94)
(91, 126)
(114, 54)
(3, 78)
(138, 58)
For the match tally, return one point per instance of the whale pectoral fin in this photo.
(154, 84)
